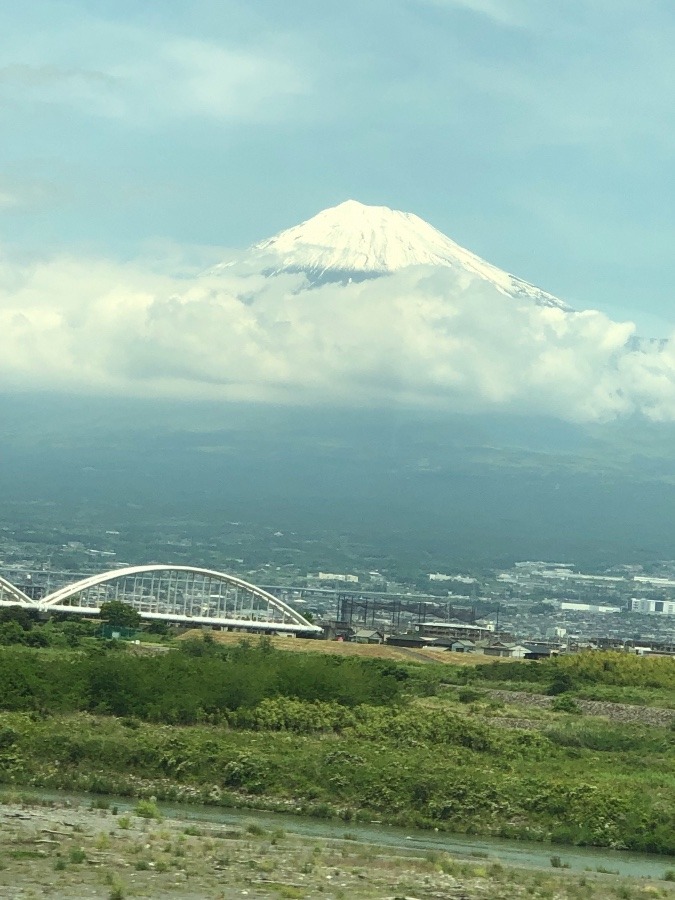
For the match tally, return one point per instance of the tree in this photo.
(12, 633)
(115, 612)
(26, 618)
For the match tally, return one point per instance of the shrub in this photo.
(561, 683)
(567, 705)
(469, 695)
(147, 809)
(8, 737)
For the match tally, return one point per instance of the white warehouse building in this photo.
(658, 607)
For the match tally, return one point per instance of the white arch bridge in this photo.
(181, 594)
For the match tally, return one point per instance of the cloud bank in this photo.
(423, 337)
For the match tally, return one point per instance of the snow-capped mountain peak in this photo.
(353, 237)
(353, 240)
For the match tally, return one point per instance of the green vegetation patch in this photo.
(201, 682)
(578, 670)
(332, 736)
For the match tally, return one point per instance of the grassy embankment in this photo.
(328, 736)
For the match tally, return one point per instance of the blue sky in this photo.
(538, 133)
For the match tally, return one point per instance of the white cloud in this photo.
(597, 77)
(22, 194)
(417, 338)
(8, 200)
(503, 12)
(187, 78)
(124, 72)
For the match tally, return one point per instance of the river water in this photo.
(528, 855)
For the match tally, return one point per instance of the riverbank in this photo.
(437, 766)
(70, 851)
(342, 739)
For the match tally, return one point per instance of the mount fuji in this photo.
(354, 242)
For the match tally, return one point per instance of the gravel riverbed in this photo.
(68, 852)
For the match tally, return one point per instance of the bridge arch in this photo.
(183, 594)
(10, 595)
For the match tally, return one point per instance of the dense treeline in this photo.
(20, 626)
(25, 627)
(200, 683)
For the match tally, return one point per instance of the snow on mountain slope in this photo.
(353, 240)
